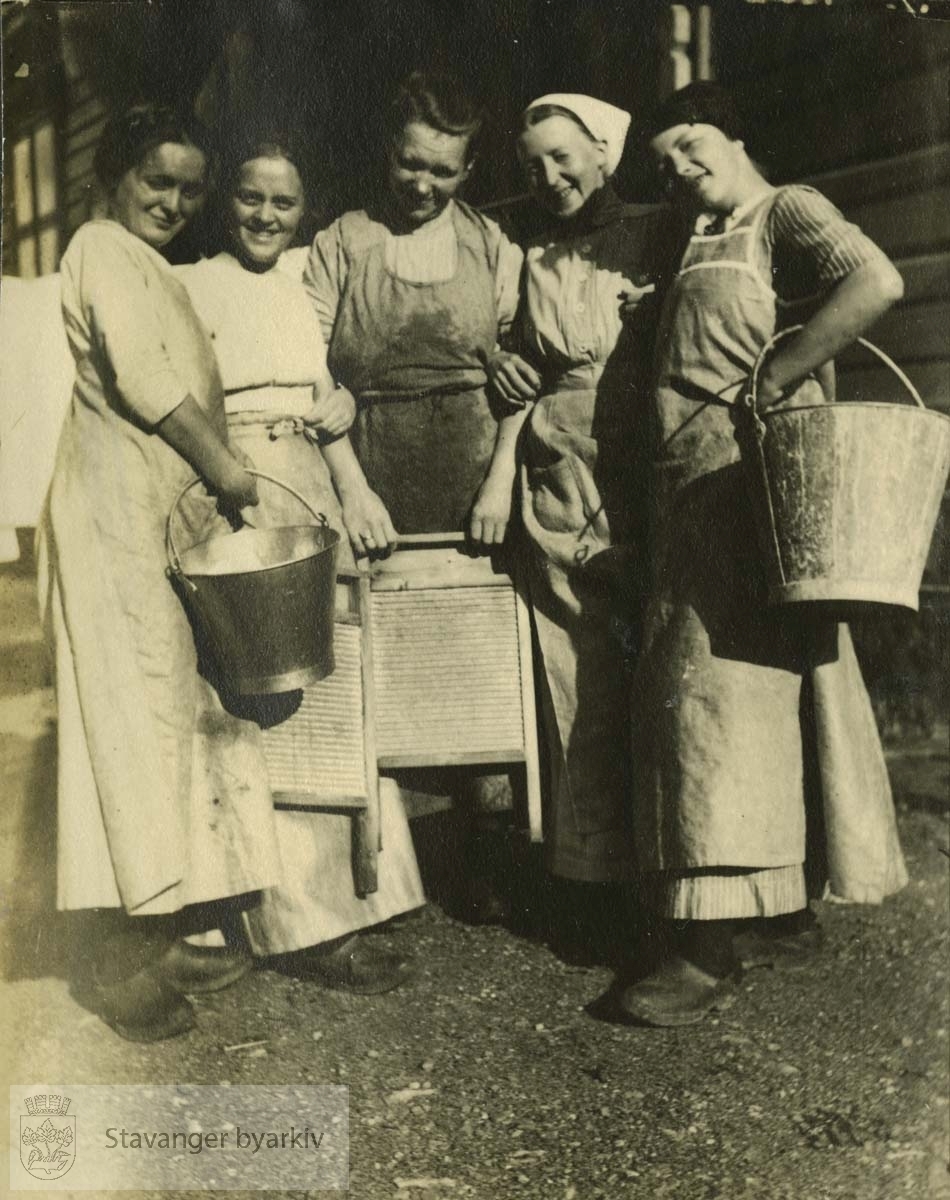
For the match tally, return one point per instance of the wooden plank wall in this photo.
(87, 114)
(903, 203)
(857, 102)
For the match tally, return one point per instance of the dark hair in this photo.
(131, 133)
(543, 112)
(700, 103)
(436, 99)
(243, 145)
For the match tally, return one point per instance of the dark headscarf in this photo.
(700, 103)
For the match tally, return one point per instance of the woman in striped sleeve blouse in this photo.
(742, 712)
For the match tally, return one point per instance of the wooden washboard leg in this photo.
(528, 713)
(367, 825)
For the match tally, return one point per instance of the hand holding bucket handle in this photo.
(750, 399)
(171, 549)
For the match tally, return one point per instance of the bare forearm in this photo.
(365, 516)
(850, 308)
(345, 470)
(187, 430)
(504, 459)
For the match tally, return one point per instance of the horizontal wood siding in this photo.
(81, 135)
(856, 102)
(913, 226)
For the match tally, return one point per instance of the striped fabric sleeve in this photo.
(813, 246)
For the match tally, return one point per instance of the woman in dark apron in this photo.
(579, 472)
(737, 706)
(413, 294)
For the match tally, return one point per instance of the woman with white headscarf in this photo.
(586, 387)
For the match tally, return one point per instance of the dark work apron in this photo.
(413, 354)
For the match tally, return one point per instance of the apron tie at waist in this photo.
(288, 426)
(580, 378)
(275, 427)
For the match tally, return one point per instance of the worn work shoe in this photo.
(482, 904)
(677, 993)
(196, 969)
(351, 965)
(785, 944)
(142, 1008)
(122, 983)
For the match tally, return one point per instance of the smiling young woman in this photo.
(265, 208)
(427, 166)
(163, 796)
(563, 163)
(414, 293)
(287, 414)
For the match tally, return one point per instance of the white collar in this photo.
(723, 222)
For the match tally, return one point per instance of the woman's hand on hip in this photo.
(333, 411)
(514, 379)
(491, 512)
(368, 523)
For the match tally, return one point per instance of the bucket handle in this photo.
(171, 549)
(750, 403)
(751, 398)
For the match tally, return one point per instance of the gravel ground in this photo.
(491, 1074)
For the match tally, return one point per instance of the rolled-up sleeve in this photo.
(121, 302)
(325, 275)
(507, 285)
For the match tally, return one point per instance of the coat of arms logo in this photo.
(47, 1136)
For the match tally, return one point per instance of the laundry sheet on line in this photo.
(36, 379)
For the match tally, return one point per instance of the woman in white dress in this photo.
(163, 795)
(284, 410)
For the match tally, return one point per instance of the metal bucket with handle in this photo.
(264, 598)
(846, 495)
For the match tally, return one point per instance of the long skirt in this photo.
(163, 799)
(314, 900)
(582, 585)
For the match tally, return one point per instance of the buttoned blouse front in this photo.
(572, 293)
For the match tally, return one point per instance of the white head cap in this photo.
(603, 121)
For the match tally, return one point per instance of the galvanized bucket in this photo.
(846, 495)
(264, 598)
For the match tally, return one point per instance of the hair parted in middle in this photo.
(543, 112)
(241, 144)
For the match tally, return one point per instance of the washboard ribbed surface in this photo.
(319, 751)
(447, 675)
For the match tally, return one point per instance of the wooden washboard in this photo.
(433, 668)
